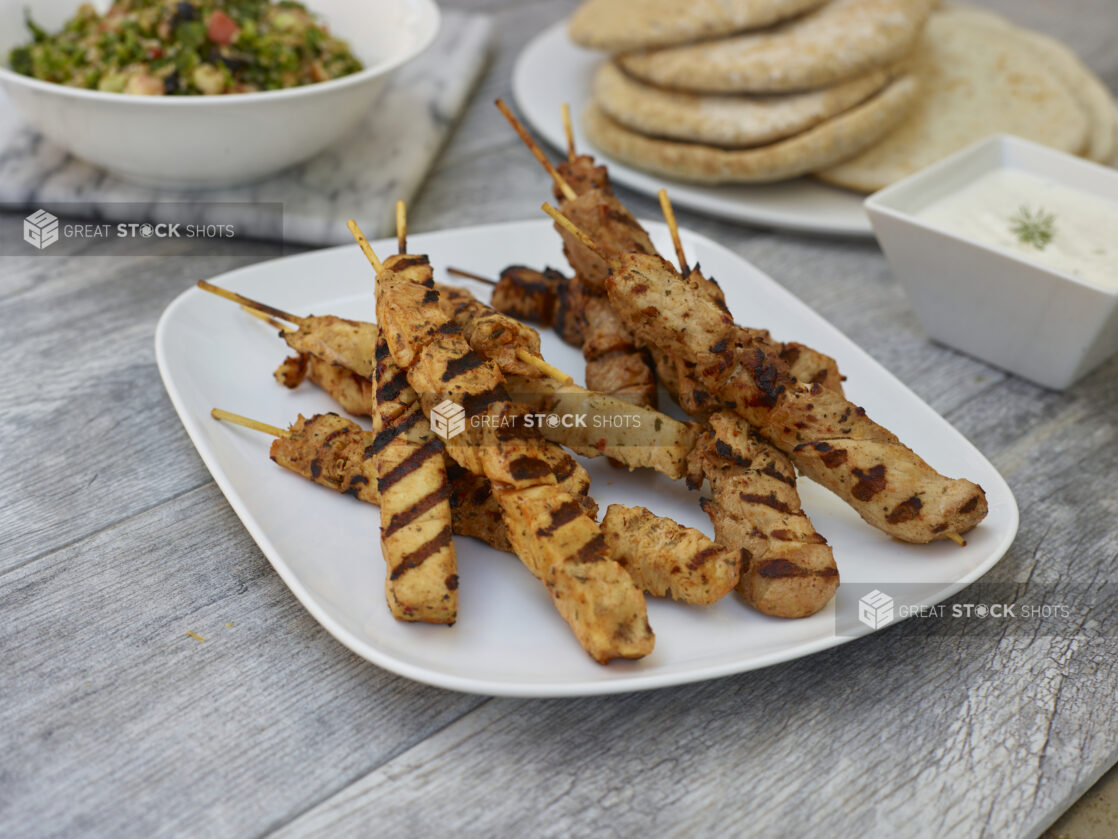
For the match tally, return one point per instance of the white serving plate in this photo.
(551, 70)
(509, 640)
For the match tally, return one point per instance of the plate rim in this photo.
(642, 182)
(629, 683)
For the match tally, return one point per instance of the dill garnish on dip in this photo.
(1057, 226)
(205, 47)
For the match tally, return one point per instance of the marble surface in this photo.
(114, 541)
(361, 177)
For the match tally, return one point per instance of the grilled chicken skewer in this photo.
(336, 453)
(788, 570)
(546, 526)
(828, 439)
(615, 363)
(415, 519)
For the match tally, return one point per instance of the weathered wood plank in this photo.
(88, 432)
(116, 723)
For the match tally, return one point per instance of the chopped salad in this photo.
(203, 47)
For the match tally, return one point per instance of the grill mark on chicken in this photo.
(905, 511)
(769, 500)
(422, 553)
(400, 429)
(389, 390)
(406, 517)
(870, 482)
(593, 551)
(456, 367)
(528, 468)
(565, 514)
(771, 470)
(778, 568)
(410, 261)
(703, 556)
(409, 464)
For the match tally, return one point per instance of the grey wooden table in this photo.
(114, 541)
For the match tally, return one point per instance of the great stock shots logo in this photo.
(448, 420)
(40, 229)
(875, 610)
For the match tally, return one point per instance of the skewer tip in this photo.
(542, 366)
(363, 243)
(247, 422)
(673, 229)
(535, 149)
(402, 227)
(568, 130)
(470, 275)
(957, 539)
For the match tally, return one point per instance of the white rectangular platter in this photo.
(509, 640)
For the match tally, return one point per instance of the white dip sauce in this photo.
(1084, 239)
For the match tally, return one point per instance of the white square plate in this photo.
(509, 640)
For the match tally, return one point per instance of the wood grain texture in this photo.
(118, 723)
(114, 543)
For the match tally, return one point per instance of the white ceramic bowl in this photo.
(208, 141)
(1037, 322)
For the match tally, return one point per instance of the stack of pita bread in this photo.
(860, 93)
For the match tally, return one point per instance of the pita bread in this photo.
(840, 41)
(721, 120)
(1093, 97)
(625, 25)
(978, 81)
(833, 140)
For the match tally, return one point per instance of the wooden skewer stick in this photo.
(565, 109)
(673, 228)
(545, 368)
(250, 303)
(255, 425)
(533, 147)
(366, 248)
(401, 227)
(575, 231)
(268, 319)
(955, 537)
(458, 272)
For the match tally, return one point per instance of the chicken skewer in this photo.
(615, 363)
(421, 579)
(336, 453)
(546, 526)
(828, 439)
(788, 570)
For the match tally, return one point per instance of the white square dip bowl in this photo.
(987, 300)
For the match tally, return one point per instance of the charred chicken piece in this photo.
(788, 569)
(829, 439)
(421, 581)
(667, 559)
